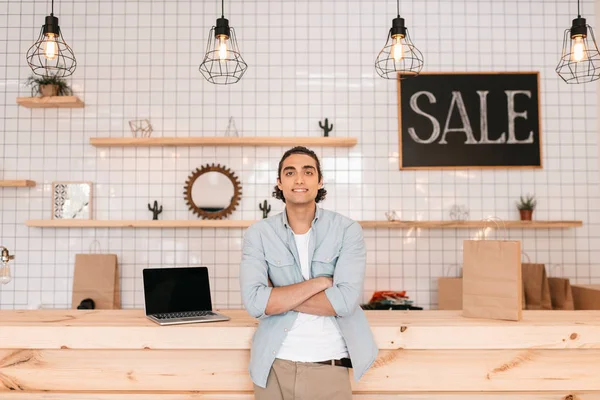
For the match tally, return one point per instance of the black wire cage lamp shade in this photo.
(399, 55)
(50, 54)
(223, 63)
(580, 59)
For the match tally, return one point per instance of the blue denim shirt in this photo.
(338, 251)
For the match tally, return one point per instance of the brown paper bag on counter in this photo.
(450, 293)
(561, 294)
(96, 277)
(536, 288)
(492, 282)
(450, 288)
(586, 297)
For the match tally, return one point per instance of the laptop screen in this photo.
(176, 290)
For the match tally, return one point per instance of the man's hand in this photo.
(327, 281)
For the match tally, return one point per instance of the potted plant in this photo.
(48, 85)
(526, 206)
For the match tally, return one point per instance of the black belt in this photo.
(344, 362)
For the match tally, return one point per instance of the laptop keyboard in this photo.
(184, 314)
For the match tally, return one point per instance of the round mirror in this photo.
(212, 192)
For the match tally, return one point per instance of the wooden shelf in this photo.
(50, 102)
(471, 224)
(79, 223)
(17, 183)
(224, 141)
(95, 223)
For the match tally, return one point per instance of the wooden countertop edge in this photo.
(240, 319)
(393, 330)
(249, 395)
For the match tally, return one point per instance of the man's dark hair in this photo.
(278, 193)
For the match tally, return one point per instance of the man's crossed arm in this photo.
(339, 296)
(302, 297)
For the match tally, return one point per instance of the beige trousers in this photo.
(289, 380)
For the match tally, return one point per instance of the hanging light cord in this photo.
(52, 12)
(222, 8)
(578, 12)
(397, 7)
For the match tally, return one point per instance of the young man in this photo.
(302, 275)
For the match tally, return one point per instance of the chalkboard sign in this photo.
(465, 120)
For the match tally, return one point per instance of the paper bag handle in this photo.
(95, 241)
(526, 256)
(446, 270)
(495, 221)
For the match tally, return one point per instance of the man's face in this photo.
(299, 179)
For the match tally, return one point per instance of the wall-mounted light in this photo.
(580, 59)
(223, 64)
(399, 55)
(5, 276)
(50, 54)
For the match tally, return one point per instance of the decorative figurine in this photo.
(392, 215)
(5, 257)
(142, 126)
(326, 128)
(155, 210)
(459, 213)
(86, 304)
(266, 209)
(231, 128)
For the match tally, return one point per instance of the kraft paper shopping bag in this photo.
(535, 285)
(586, 297)
(450, 293)
(97, 277)
(561, 294)
(492, 281)
(450, 290)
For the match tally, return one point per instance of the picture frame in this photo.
(72, 200)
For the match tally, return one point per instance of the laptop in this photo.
(178, 296)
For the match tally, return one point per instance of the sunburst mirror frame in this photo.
(237, 191)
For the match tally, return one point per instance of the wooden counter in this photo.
(425, 355)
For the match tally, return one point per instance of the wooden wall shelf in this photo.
(471, 224)
(95, 223)
(50, 102)
(226, 223)
(224, 141)
(17, 183)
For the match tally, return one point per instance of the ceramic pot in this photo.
(48, 90)
(526, 215)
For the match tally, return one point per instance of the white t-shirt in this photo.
(312, 337)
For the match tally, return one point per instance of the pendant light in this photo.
(580, 60)
(223, 64)
(50, 54)
(399, 55)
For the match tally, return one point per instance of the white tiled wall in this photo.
(307, 60)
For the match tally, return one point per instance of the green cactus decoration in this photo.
(326, 128)
(266, 209)
(155, 210)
